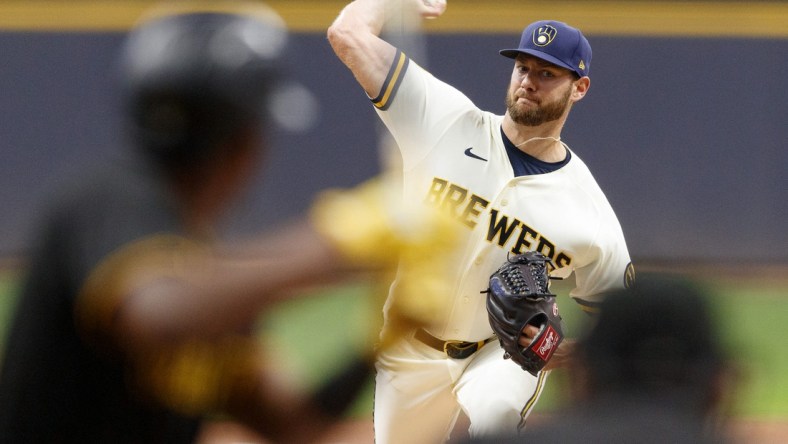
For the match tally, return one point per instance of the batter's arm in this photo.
(355, 36)
(166, 303)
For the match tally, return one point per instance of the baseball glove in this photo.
(519, 295)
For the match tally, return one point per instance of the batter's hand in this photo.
(561, 357)
(430, 9)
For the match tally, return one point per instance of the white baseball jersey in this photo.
(454, 157)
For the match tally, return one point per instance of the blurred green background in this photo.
(311, 337)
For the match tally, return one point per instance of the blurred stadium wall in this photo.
(684, 126)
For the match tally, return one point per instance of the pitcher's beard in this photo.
(542, 113)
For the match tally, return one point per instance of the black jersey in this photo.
(54, 387)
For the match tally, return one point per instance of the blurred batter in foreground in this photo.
(133, 324)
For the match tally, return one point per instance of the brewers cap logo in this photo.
(543, 35)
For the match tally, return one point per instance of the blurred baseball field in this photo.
(310, 338)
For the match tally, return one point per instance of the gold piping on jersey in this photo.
(130, 266)
(532, 400)
(392, 82)
(629, 276)
(192, 376)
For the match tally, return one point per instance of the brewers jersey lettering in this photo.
(454, 158)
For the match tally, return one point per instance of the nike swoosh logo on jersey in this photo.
(472, 155)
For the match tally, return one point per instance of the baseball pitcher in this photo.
(514, 186)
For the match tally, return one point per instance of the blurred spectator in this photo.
(650, 370)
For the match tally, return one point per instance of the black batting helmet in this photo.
(194, 77)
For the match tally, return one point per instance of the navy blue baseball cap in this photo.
(557, 43)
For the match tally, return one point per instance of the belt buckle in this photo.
(459, 349)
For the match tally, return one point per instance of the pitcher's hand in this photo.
(561, 357)
(430, 9)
